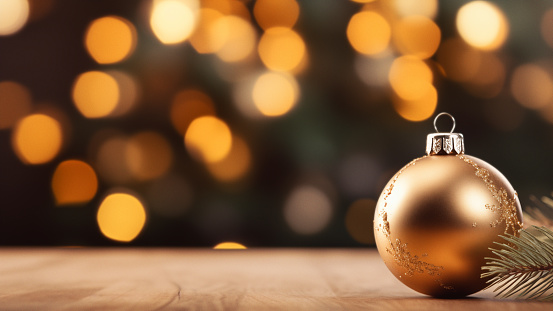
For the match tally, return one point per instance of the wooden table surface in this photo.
(202, 279)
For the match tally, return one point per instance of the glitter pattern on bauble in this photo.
(437, 217)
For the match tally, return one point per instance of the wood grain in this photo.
(193, 279)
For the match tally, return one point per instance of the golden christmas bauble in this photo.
(438, 215)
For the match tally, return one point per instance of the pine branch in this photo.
(523, 267)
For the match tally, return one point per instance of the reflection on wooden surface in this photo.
(201, 279)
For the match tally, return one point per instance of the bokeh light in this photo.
(207, 110)
(243, 99)
(373, 71)
(37, 139)
(357, 174)
(13, 16)
(95, 94)
(206, 38)
(148, 155)
(74, 182)
(274, 94)
(129, 92)
(532, 86)
(188, 105)
(459, 60)
(410, 77)
(418, 36)
(15, 103)
(228, 7)
(420, 108)
(490, 78)
(229, 245)
(281, 49)
(239, 8)
(359, 221)
(369, 32)
(276, 13)
(426, 8)
(547, 27)
(307, 210)
(546, 113)
(240, 39)
(121, 217)
(111, 161)
(266, 94)
(110, 39)
(482, 24)
(173, 21)
(54, 111)
(235, 165)
(208, 139)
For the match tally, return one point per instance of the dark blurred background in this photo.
(264, 123)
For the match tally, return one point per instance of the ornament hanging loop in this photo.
(444, 114)
(443, 143)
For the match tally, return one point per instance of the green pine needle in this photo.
(523, 267)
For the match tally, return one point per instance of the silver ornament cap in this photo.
(444, 143)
